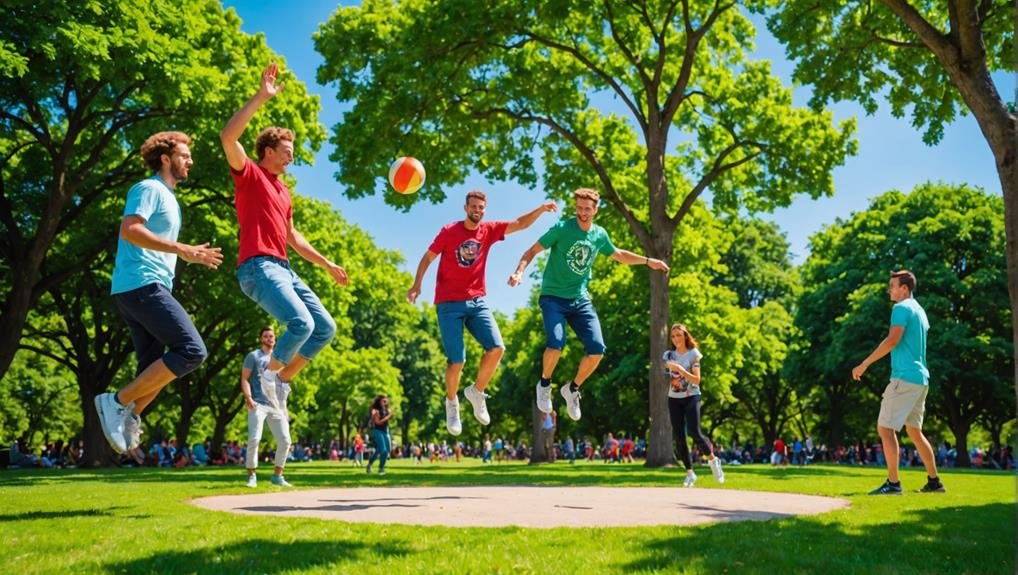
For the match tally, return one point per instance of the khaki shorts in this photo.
(904, 403)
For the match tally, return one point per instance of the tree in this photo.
(952, 237)
(83, 84)
(505, 88)
(759, 271)
(911, 51)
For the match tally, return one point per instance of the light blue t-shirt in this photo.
(257, 361)
(152, 200)
(908, 358)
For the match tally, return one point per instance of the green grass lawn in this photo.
(139, 521)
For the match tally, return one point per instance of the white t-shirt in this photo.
(687, 360)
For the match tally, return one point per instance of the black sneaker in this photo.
(933, 486)
(887, 488)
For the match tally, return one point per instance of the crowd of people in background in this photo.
(620, 448)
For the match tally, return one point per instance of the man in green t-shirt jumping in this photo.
(904, 401)
(574, 243)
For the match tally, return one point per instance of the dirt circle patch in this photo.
(526, 506)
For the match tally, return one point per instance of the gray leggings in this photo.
(684, 413)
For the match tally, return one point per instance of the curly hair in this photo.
(270, 137)
(161, 143)
(587, 194)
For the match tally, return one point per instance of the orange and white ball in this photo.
(406, 175)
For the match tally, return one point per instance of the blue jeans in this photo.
(383, 445)
(580, 315)
(476, 316)
(160, 329)
(273, 285)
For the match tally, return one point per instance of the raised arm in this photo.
(234, 129)
(422, 267)
(629, 258)
(517, 277)
(526, 220)
(308, 252)
(133, 230)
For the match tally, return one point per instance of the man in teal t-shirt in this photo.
(574, 244)
(904, 400)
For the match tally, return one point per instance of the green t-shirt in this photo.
(571, 258)
(908, 358)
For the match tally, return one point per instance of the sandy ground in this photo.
(526, 506)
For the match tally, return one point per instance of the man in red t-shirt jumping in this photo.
(459, 299)
(265, 215)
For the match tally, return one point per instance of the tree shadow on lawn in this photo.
(64, 514)
(262, 556)
(965, 539)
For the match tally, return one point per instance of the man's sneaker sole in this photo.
(109, 439)
(471, 393)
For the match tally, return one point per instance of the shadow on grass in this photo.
(262, 556)
(65, 514)
(972, 539)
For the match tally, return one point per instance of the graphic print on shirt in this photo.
(467, 253)
(580, 257)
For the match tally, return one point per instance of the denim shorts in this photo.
(476, 316)
(581, 316)
(273, 285)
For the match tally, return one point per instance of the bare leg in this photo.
(551, 357)
(489, 363)
(289, 371)
(889, 439)
(587, 366)
(142, 402)
(925, 450)
(147, 385)
(452, 379)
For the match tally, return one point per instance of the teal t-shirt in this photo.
(908, 358)
(572, 256)
(152, 200)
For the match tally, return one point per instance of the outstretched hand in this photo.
(203, 254)
(656, 264)
(268, 87)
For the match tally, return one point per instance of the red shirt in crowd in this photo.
(464, 256)
(264, 212)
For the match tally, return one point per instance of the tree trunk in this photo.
(14, 316)
(537, 452)
(659, 445)
(961, 445)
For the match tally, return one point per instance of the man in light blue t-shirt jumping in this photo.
(904, 400)
(574, 244)
(166, 343)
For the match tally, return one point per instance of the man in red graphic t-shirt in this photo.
(265, 215)
(459, 299)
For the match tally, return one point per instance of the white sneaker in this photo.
(269, 382)
(452, 416)
(715, 468)
(476, 399)
(690, 479)
(252, 480)
(111, 418)
(544, 398)
(132, 428)
(279, 481)
(572, 401)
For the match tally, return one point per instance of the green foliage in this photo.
(40, 403)
(862, 51)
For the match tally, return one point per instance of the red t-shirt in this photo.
(464, 255)
(779, 446)
(264, 212)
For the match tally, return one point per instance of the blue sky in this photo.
(891, 156)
